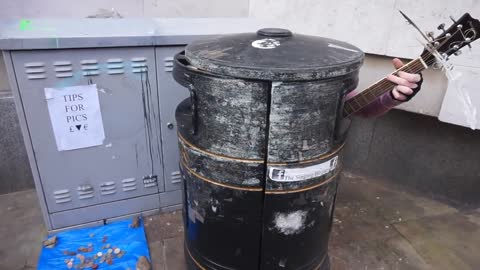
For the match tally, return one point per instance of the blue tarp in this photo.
(117, 234)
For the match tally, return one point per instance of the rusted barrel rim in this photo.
(214, 182)
(203, 268)
(208, 153)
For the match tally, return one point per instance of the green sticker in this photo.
(25, 25)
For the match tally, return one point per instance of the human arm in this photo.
(407, 86)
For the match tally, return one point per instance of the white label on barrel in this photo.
(266, 43)
(282, 174)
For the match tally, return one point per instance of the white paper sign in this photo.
(75, 116)
(281, 174)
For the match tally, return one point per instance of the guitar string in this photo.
(417, 66)
(381, 86)
(356, 103)
(420, 64)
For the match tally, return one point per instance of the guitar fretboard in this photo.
(377, 89)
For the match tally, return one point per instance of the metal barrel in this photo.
(260, 161)
(222, 162)
(304, 160)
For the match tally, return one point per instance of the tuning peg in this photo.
(457, 53)
(441, 27)
(451, 18)
(431, 35)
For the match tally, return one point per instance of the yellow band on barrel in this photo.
(215, 182)
(327, 155)
(203, 268)
(201, 177)
(244, 160)
(182, 139)
(193, 259)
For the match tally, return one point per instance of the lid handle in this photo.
(274, 32)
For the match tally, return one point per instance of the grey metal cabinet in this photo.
(129, 163)
(174, 94)
(135, 168)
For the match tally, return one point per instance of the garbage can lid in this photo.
(274, 54)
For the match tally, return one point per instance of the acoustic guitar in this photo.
(437, 49)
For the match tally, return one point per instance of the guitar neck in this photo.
(377, 89)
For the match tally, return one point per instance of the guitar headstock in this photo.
(461, 33)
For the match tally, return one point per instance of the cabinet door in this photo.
(129, 162)
(171, 94)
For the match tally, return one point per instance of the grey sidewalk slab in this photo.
(377, 225)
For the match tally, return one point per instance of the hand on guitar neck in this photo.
(406, 85)
(403, 83)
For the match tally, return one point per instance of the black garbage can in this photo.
(261, 148)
